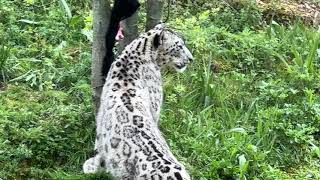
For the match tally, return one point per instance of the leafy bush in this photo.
(35, 127)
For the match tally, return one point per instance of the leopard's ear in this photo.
(158, 39)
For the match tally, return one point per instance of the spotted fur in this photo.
(128, 143)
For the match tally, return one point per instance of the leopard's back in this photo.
(129, 143)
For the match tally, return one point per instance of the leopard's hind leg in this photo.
(92, 165)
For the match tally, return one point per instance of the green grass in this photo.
(248, 108)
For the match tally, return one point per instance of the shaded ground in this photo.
(2, 87)
(288, 11)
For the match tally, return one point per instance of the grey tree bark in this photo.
(130, 25)
(130, 31)
(154, 13)
(101, 16)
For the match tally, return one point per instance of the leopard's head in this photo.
(171, 49)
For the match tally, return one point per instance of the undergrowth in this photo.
(248, 108)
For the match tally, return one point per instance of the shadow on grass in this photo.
(65, 176)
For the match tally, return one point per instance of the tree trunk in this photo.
(130, 31)
(101, 16)
(154, 13)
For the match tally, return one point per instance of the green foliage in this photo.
(4, 54)
(259, 113)
(248, 108)
(36, 125)
(235, 16)
(49, 53)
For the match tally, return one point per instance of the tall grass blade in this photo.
(297, 58)
(66, 8)
(312, 55)
(28, 21)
